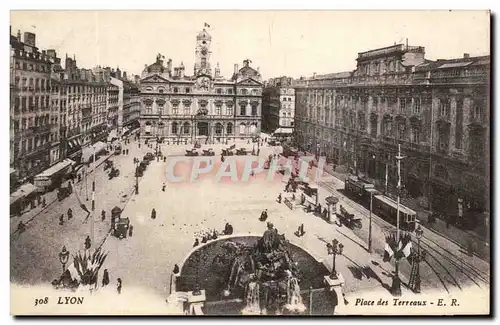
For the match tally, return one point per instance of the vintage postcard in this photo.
(250, 163)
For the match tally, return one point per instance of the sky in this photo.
(291, 43)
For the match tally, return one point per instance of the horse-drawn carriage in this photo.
(63, 192)
(149, 156)
(241, 152)
(119, 225)
(108, 164)
(208, 152)
(227, 152)
(348, 219)
(192, 153)
(114, 172)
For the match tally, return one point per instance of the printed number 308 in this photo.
(41, 301)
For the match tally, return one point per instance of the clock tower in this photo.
(203, 54)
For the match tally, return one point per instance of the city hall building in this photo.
(201, 107)
(438, 111)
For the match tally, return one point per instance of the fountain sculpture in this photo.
(264, 275)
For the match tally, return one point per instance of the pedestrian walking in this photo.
(119, 285)
(44, 203)
(163, 187)
(105, 278)
(88, 243)
(130, 230)
(263, 215)
(196, 242)
(153, 214)
(164, 159)
(21, 227)
(70, 213)
(61, 219)
(103, 215)
(279, 198)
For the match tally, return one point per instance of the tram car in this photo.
(387, 208)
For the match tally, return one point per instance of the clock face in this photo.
(204, 51)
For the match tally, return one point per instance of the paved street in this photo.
(34, 253)
(147, 258)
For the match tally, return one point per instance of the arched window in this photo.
(176, 90)
(218, 129)
(186, 128)
(175, 128)
(229, 128)
(242, 128)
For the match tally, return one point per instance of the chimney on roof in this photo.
(235, 68)
(466, 55)
(19, 35)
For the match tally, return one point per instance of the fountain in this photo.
(252, 299)
(294, 301)
(254, 275)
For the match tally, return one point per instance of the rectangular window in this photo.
(444, 107)
(254, 110)
(175, 110)
(243, 110)
(186, 110)
(402, 105)
(416, 106)
(229, 111)
(217, 110)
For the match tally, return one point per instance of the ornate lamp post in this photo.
(64, 257)
(418, 258)
(335, 248)
(396, 282)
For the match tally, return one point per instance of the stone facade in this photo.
(31, 116)
(278, 102)
(202, 107)
(437, 110)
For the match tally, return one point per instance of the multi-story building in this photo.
(204, 106)
(58, 99)
(438, 111)
(30, 113)
(278, 106)
(86, 107)
(131, 105)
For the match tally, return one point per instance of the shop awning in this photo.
(89, 151)
(55, 169)
(23, 191)
(283, 131)
(394, 205)
(112, 134)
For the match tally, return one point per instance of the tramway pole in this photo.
(93, 208)
(396, 282)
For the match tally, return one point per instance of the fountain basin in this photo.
(215, 274)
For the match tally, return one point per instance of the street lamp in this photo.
(335, 248)
(64, 257)
(418, 258)
(396, 282)
(137, 177)
(370, 225)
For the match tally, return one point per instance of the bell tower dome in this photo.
(203, 54)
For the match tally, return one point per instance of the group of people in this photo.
(212, 234)
(61, 217)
